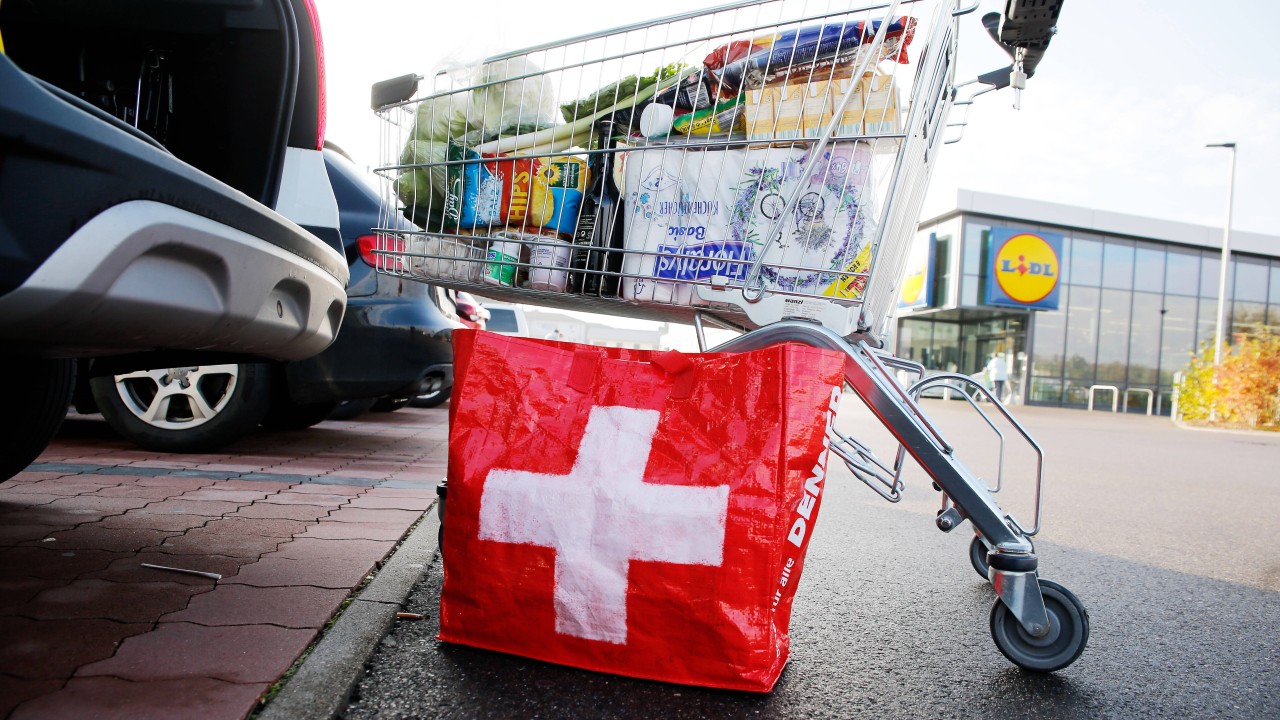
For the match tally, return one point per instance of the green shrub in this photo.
(1244, 390)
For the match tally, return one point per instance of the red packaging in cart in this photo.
(633, 512)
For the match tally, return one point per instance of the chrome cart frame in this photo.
(819, 261)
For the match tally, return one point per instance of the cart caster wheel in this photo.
(978, 556)
(1068, 632)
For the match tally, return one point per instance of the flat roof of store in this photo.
(971, 202)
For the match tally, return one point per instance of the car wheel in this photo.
(432, 399)
(285, 414)
(35, 404)
(388, 404)
(185, 409)
(350, 409)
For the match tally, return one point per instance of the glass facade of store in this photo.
(1130, 314)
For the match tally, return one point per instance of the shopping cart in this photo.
(758, 166)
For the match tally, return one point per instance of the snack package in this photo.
(803, 109)
(535, 192)
(558, 185)
(724, 117)
(747, 64)
(703, 217)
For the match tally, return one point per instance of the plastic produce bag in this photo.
(633, 512)
(470, 117)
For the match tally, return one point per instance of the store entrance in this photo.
(1007, 338)
(965, 341)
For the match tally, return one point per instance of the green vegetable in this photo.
(614, 93)
(469, 117)
(437, 119)
(563, 137)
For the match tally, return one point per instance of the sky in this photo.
(1115, 119)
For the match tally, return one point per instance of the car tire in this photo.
(188, 409)
(432, 399)
(35, 405)
(285, 414)
(351, 409)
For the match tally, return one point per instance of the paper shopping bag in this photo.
(633, 512)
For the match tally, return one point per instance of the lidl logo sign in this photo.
(1025, 268)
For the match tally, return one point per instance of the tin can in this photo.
(696, 92)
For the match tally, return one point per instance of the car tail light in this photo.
(321, 100)
(468, 307)
(382, 244)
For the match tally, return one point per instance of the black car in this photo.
(163, 197)
(394, 344)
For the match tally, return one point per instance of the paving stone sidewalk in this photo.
(293, 522)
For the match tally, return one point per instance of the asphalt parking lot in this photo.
(1165, 534)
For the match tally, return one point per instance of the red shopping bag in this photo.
(633, 512)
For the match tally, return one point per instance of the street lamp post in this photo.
(1226, 258)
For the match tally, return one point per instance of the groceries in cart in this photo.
(702, 216)
(616, 202)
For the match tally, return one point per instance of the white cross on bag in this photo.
(601, 516)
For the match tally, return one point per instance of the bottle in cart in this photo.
(599, 239)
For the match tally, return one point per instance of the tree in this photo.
(1244, 390)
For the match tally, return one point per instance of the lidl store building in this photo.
(1076, 299)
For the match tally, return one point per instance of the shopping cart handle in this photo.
(997, 79)
(1032, 53)
(1030, 23)
(395, 90)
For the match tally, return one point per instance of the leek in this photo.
(563, 137)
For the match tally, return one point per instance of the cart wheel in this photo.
(1068, 632)
(978, 556)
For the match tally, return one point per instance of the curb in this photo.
(322, 685)
(1181, 425)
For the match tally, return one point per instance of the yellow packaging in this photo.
(556, 191)
(850, 287)
(722, 118)
(802, 109)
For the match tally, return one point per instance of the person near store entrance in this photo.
(998, 373)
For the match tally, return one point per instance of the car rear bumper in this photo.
(109, 244)
(144, 275)
(413, 341)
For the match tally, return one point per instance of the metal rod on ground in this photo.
(201, 573)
